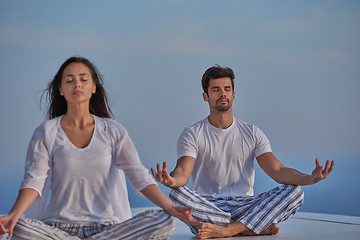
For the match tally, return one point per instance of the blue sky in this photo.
(297, 67)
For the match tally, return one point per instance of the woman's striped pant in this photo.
(255, 212)
(152, 224)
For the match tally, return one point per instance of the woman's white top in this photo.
(81, 185)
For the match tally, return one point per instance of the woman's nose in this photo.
(77, 83)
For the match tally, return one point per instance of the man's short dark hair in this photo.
(215, 73)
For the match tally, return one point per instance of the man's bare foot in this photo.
(271, 230)
(208, 230)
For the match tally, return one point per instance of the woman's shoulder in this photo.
(47, 127)
(111, 126)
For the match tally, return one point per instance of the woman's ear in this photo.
(61, 93)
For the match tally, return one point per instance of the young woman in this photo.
(74, 184)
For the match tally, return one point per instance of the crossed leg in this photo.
(250, 216)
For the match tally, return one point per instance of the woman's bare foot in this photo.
(271, 230)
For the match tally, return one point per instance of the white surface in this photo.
(309, 226)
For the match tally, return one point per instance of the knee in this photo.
(296, 191)
(175, 191)
(180, 195)
(162, 219)
(164, 224)
(301, 193)
(27, 228)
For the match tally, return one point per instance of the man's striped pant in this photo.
(255, 212)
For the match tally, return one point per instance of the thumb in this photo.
(184, 209)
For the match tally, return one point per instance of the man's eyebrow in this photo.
(228, 86)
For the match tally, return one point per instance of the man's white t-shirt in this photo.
(224, 163)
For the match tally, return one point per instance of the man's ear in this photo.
(205, 97)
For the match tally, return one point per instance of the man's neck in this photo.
(221, 120)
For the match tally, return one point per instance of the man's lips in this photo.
(223, 100)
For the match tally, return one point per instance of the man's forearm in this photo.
(180, 180)
(291, 176)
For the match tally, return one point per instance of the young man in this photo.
(218, 152)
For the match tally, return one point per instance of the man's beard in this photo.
(223, 108)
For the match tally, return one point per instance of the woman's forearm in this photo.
(24, 200)
(155, 195)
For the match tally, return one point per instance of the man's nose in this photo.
(222, 92)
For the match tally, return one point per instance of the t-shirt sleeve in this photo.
(186, 145)
(127, 159)
(36, 165)
(262, 144)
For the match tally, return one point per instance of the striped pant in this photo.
(152, 224)
(255, 212)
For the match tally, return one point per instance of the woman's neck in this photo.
(77, 116)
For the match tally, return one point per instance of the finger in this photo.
(2, 229)
(10, 234)
(160, 179)
(194, 221)
(318, 167)
(326, 169)
(154, 173)
(317, 171)
(159, 171)
(331, 166)
(327, 164)
(164, 171)
(158, 168)
(185, 209)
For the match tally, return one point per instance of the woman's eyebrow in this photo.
(81, 74)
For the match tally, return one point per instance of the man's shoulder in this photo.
(194, 127)
(248, 129)
(242, 123)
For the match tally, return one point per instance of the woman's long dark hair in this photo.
(57, 104)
